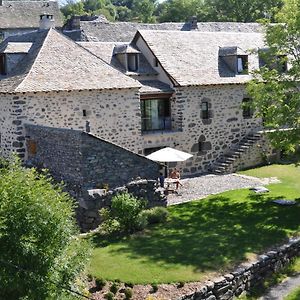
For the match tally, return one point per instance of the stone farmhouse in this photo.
(177, 88)
(17, 17)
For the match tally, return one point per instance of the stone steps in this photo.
(225, 163)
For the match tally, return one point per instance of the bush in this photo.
(141, 222)
(157, 215)
(154, 287)
(128, 294)
(180, 284)
(129, 284)
(114, 288)
(38, 240)
(109, 296)
(125, 208)
(100, 283)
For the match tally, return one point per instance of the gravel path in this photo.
(203, 186)
(283, 289)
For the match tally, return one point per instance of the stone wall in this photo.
(112, 114)
(81, 159)
(247, 275)
(216, 135)
(115, 115)
(88, 216)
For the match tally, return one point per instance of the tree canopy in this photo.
(40, 256)
(275, 89)
(175, 10)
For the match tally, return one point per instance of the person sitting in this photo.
(175, 174)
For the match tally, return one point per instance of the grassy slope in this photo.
(204, 236)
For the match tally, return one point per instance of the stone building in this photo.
(177, 88)
(18, 17)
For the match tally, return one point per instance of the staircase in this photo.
(228, 162)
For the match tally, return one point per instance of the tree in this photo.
(40, 255)
(143, 10)
(275, 88)
(72, 8)
(240, 11)
(179, 10)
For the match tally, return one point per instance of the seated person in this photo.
(175, 174)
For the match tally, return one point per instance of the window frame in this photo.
(205, 115)
(163, 107)
(136, 59)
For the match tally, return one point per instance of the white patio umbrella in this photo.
(169, 155)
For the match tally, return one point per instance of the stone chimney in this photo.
(193, 23)
(46, 21)
(75, 23)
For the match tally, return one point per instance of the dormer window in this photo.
(273, 62)
(3, 69)
(132, 62)
(242, 64)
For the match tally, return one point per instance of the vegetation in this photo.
(273, 280)
(295, 295)
(40, 256)
(151, 11)
(205, 236)
(275, 90)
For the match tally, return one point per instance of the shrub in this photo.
(157, 215)
(180, 284)
(141, 222)
(114, 288)
(37, 236)
(129, 284)
(154, 287)
(125, 208)
(109, 296)
(128, 294)
(100, 283)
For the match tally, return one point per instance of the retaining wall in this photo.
(247, 275)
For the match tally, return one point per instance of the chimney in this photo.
(1, 2)
(75, 23)
(193, 23)
(46, 21)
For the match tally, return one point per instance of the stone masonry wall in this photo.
(112, 114)
(80, 159)
(224, 129)
(88, 216)
(247, 275)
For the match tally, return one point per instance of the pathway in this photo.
(281, 290)
(203, 186)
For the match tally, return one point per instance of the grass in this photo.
(204, 237)
(294, 295)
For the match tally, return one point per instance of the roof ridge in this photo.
(34, 62)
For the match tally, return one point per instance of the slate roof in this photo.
(106, 51)
(100, 31)
(26, 14)
(192, 58)
(56, 63)
(154, 87)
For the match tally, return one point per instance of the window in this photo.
(247, 110)
(155, 62)
(242, 64)
(2, 64)
(84, 113)
(132, 62)
(204, 110)
(277, 62)
(156, 114)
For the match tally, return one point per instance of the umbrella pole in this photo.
(166, 170)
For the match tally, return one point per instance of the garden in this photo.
(205, 237)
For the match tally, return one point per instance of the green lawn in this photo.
(295, 295)
(205, 236)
